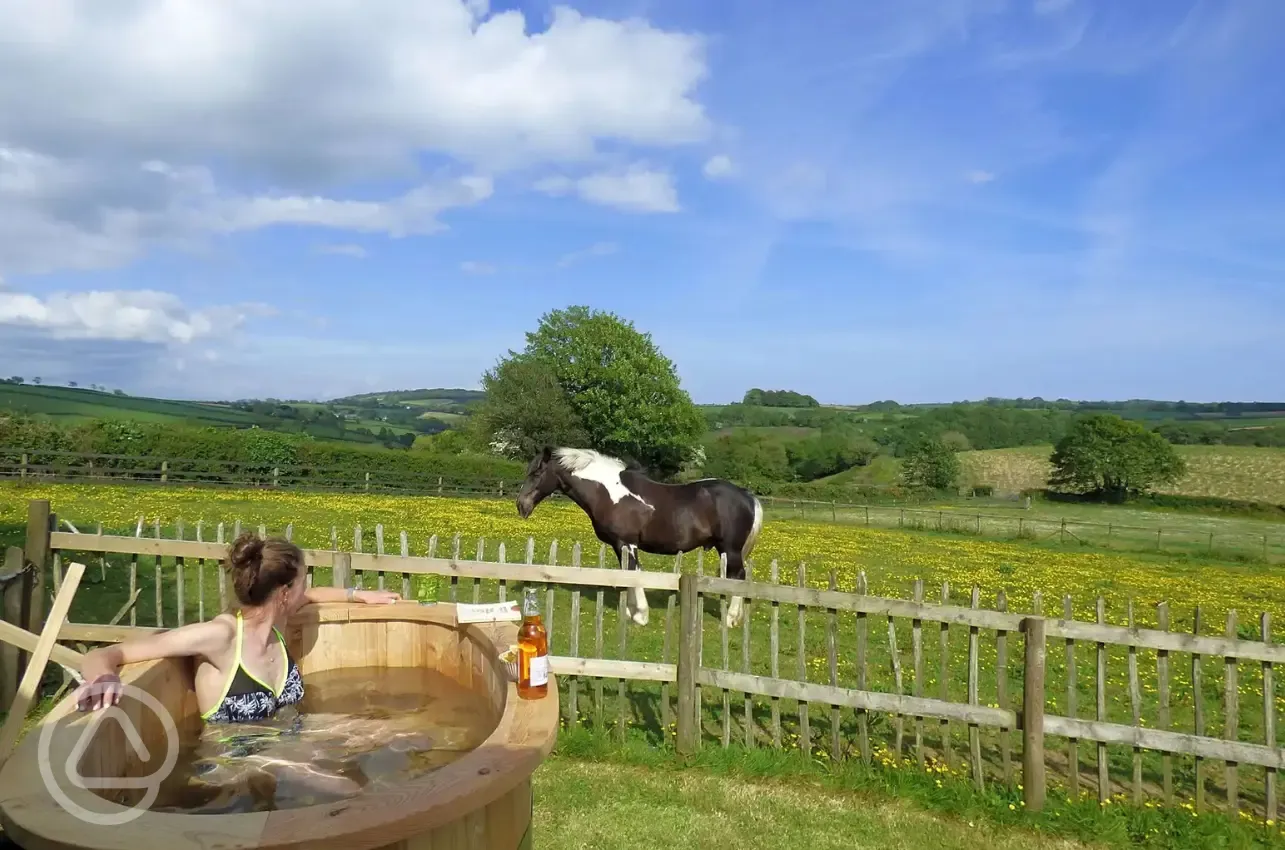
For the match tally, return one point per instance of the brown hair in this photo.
(259, 566)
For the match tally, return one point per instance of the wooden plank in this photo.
(26, 641)
(1104, 779)
(974, 732)
(1162, 694)
(1269, 719)
(805, 727)
(160, 586)
(775, 650)
(723, 638)
(852, 698)
(179, 570)
(39, 658)
(745, 661)
(622, 630)
(1072, 696)
(597, 641)
(894, 663)
(666, 709)
(917, 659)
(365, 561)
(573, 707)
(832, 662)
(11, 587)
(688, 665)
(1033, 696)
(1135, 702)
(1001, 688)
(1199, 711)
(1245, 650)
(943, 676)
(842, 601)
(612, 668)
(1231, 717)
(1178, 743)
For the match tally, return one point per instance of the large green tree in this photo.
(525, 409)
(623, 392)
(1113, 458)
(930, 464)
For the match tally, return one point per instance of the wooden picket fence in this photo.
(696, 695)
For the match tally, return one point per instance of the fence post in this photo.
(367, 480)
(165, 471)
(342, 569)
(23, 473)
(1033, 715)
(10, 612)
(276, 474)
(36, 553)
(688, 661)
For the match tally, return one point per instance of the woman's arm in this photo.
(340, 594)
(100, 667)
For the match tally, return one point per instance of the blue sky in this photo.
(924, 201)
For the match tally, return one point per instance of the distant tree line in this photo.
(778, 398)
(254, 446)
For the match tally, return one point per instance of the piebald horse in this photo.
(631, 512)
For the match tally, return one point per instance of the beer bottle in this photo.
(533, 650)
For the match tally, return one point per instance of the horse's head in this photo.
(542, 480)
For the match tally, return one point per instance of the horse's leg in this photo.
(636, 602)
(735, 570)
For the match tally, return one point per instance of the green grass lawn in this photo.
(604, 806)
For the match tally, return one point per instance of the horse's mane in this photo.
(576, 460)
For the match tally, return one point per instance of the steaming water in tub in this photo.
(357, 729)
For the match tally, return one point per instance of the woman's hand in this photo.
(377, 597)
(99, 692)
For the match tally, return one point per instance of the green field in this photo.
(73, 405)
(1228, 472)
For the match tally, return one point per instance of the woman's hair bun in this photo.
(259, 566)
(246, 552)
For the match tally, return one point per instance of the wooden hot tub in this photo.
(481, 800)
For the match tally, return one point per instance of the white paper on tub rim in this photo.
(488, 612)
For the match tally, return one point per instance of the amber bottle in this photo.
(533, 650)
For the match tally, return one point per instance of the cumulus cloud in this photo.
(123, 315)
(978, 176)
(718, 167)
(634, 188)
(105, 154)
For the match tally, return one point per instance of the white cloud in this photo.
(598, 249)
(123, 315)
(474, 267)
(344, 250)
(635, 188)
(979, 176)
(103, 155)
(719, 166)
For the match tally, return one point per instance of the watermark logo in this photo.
(151, 784)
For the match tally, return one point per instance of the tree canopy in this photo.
(590, 378)
(930, 464)
(1113, 458)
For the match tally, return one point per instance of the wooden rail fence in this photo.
(847, 672)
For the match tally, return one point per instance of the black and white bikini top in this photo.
(245, 698)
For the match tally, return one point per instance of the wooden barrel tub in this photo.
(480, 800)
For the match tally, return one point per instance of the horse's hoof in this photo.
(640, 617)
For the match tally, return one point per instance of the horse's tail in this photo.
(753, 536)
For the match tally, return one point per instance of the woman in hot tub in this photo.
(244, 673)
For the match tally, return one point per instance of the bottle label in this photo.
(539, 670)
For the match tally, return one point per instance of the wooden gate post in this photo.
(36, 553)
(10, 612)
(1033, 783)
(688, 661)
